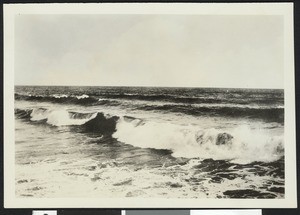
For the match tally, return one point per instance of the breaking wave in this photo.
(240, 145)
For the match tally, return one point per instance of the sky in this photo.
(234, 51)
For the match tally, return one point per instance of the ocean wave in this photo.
(194, 98)
(273, 114)
(96, 122)
(164, 97)
(67, 99)
(59, 117)
(23, 114)
(240, 145)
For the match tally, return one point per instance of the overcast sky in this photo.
(149, 50)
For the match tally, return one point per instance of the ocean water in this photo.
(149, 142)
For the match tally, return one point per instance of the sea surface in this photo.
(149, 142)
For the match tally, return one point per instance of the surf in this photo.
(239, 145)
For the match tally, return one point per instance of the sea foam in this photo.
(240, 145)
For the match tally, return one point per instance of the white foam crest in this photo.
(247, 145)
(38, 114)
(84, 96)
(58, 117)
(40, 96)
(62, 117)
(60, 96)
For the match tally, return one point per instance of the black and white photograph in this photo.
(151, 105)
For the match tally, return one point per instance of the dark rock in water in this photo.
(248, 193)
(223, 139)
(277, 189)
